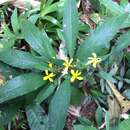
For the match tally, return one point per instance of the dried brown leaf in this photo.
(114, 109)
(124, 103)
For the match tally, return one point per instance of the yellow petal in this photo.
(50, 64)
(50, 79)
(89, 62)
(90, 58)
(94, 55)
(66, 59)
(80, 78)
(52, 74)
(45, 77)
(72, 72)
(1, 82)
(71, 60)
(79, 73)
(94, 65)
(72, 79)
(46, 71)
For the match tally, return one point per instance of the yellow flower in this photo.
(75, 75)
(50, 64)
(1, 82)
(67, 63)
(49, 76)
(94, 60)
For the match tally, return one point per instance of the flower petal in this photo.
(80, 78)
(72, 72)
(72, 79)
(94, 55)
(89, 62)
(50, 64)
(45, 77)
(46, 71)
(79, 73)
(71, 60)
(90, 58)
(50, 79)
(51, 75)
(94, 65)
(66, 59)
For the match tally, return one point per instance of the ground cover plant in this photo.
(64, 65)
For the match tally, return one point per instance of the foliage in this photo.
(47, 57)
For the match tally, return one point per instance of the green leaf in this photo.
(7, 113)
(59, 106)
(84, 121)
(126, 93)
(20, 86)
(2, 128)
(52, 20)
(76, 96)
(44, 93)
(22, 60)
(81, 127)
(99, 115)
(8, 71)
(124, 3)
(122, 43)
(98, 40)
(7, 33)
(107, 118)
(117, 9)
(6, 44)
(112, 6)
(36, 117)
(14, 21)
(48, 8)
(124, 125)
(70, 26)
(38, 40)
(106, 76)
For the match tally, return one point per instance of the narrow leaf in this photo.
(22, 60)
(122, 43)
(106, 76)
(81, 127)
(58, 107)
(112, 6)
(36, 117)
(107, 119)
(14, 21)
(70, 26)
(99, 115)
(44, 93)
(37, 39)
(20, 86)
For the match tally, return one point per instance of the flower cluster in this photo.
(68, 67)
